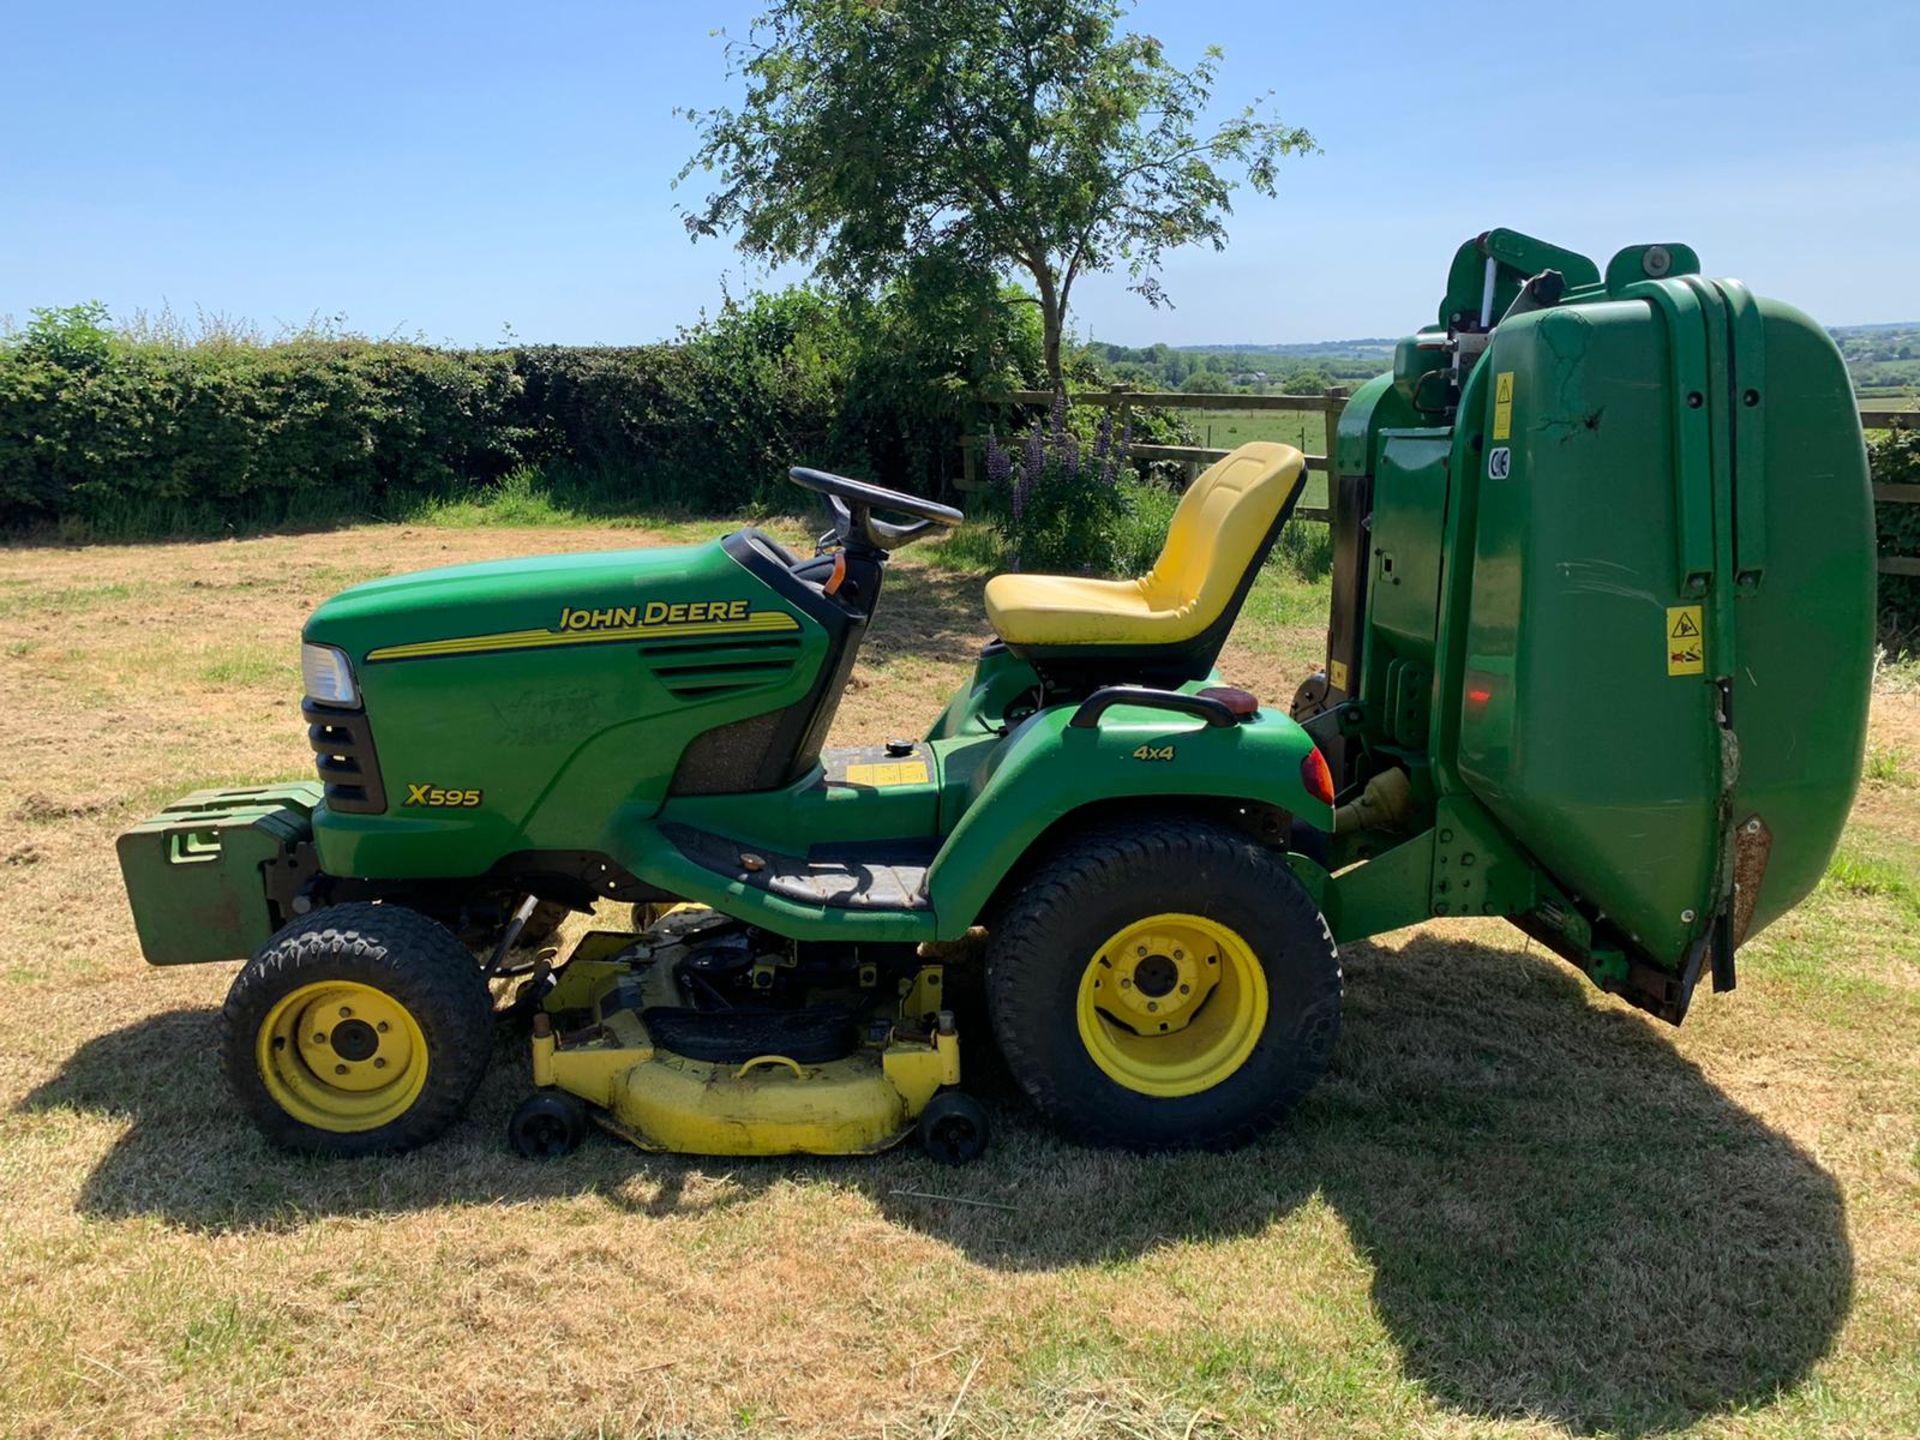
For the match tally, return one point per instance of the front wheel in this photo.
(359, 1029)
(1169, 985)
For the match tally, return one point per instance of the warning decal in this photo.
(1503, 405)
(906, 772)
(1686, 646)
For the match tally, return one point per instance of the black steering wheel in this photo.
(854, 501)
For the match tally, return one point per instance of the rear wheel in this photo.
(1164, 986)
(357, 1030)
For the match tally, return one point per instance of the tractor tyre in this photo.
(357, 1030)
(1164, 986)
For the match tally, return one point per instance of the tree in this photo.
(961, 142)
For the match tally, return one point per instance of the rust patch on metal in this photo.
(1752, 844)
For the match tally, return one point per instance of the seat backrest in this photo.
(1223, 528)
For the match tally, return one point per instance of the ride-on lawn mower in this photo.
(1598, 662)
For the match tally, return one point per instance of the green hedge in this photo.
(104, 433)
(1895, 458)
(86, 435)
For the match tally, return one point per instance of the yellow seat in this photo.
(1225, 524)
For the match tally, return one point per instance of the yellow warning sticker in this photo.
(1686, 646)
(1337, 673)
(1503, 405)
(905, 772)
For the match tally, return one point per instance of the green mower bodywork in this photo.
(1598, 662)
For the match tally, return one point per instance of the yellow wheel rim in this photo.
(1172, 1005)
(342, 1056)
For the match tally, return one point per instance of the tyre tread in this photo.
(439, 971)
(1058, 888)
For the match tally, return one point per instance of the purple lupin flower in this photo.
(999, 463)
(1070, 455)
(1059, 415)
(1103, 437)
(1034, 460)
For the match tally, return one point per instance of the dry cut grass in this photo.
(1518, 1208)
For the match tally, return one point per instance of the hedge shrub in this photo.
(1895, 459)
(124, 435)
(341, 424)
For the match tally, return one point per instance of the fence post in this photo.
(1336, 404)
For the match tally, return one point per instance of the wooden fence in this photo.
(1329, 404)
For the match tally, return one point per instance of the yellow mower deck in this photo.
(762, 1104)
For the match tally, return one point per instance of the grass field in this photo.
(1225, 429)
(1517, 1208)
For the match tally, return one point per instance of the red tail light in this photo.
(1316, 777)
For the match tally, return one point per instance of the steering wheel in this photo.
(854, 501)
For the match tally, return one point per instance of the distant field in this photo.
(1224, 429)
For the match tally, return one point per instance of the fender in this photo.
(1047, 769)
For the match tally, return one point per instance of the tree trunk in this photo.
(1052, 323)
(1056, 378)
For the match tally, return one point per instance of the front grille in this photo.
(342, 743)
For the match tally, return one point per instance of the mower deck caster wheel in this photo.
(547, 1125)
(953, 1128)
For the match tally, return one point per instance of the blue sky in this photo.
(446, 170)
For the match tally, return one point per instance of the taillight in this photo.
(1318, 779)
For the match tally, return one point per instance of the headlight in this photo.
(328, 675)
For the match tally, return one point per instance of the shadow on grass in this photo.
(1563, 1218)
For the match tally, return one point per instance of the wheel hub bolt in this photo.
(339, 1069)
(346, 1012)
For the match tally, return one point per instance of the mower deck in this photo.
(651, 1032)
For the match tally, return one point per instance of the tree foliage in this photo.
(952, 145)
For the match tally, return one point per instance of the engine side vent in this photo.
(342, 742)
(708, 671)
